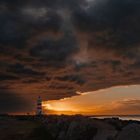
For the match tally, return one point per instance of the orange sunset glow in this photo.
(102, 102)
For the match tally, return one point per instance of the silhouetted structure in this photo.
(39, 106)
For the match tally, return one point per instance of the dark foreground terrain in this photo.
(67, 128)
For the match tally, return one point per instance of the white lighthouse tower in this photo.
(39, 106)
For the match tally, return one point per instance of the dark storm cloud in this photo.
(54, 48)
(7, 77)
(18, 21)
(51, 50)
(41, 18)
(72, 78)
(116, 21)
(21, 69)
(13, 32)
(73, 4)
(135, 65)
(105, 14)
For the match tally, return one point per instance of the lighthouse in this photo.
(39, 106)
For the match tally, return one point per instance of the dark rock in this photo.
(130, 132)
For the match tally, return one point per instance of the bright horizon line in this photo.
(99, 102)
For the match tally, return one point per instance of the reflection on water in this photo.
(131, 117)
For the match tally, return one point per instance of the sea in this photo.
(122, 117)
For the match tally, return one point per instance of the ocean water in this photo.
(122, 117)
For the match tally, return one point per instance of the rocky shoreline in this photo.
(67, 128)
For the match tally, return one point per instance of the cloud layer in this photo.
(55, 48)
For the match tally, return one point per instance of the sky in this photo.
(119, 100)
(57, 49)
